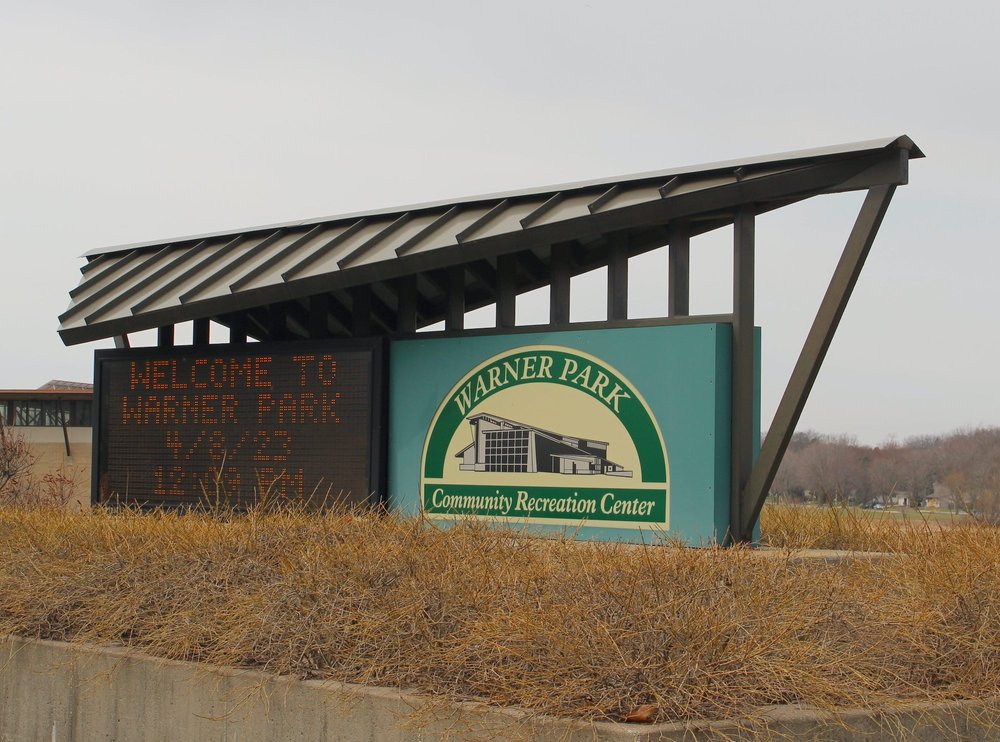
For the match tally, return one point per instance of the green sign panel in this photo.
(606, 434)
(547, 433)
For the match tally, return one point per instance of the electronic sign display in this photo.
(302, 422)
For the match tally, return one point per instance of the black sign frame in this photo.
(379, 412)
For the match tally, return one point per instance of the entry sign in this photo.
(301, 421)
(546, 434)
(616, 433)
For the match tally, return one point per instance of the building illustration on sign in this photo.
(502, 445)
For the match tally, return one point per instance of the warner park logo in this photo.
(551, 435)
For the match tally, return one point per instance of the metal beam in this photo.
(200, 332)
(485, 274)
(594, 206)
(256, 323)
(679, 273)
(279, 257)
(554, 200)
(368, 245)
(455, 316)
(482, 221)
(90, 281)
(165, 336)
(277, 322)
(618, 277)
(319, 316)
(383, 315)
(237, 328)
(341, 314)
(234, 259)
(321, 252)
(670, 186)
(824, 326)
(427, 231)
(296, 315)
(182, 256)
(506, 290)
(112, 286)
(361, 310)
(183, 277)
(406, 303)
(561, 270)
(95, 263)
(533, 266)
(743, 369)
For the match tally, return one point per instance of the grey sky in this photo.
(124, 122)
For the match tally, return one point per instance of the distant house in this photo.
(942, 498)
(501, 445)
(904, 499)
(55, 422)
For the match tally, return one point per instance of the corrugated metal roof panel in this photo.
(137, 287)
(269, 270)
(506, 219)
(903, 142)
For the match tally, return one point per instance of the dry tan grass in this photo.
(852, 529)
(472, 612)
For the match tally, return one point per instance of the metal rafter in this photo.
(370, 244)
(332, 244)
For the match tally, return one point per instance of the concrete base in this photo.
(60, 692)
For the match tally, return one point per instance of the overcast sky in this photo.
(132, 121)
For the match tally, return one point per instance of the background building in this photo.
(55, 421)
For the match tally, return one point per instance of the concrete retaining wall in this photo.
(60, 692)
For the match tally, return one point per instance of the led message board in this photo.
(185, 426)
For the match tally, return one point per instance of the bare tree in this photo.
(972, 472)
(835, 469)
(886, 472)
(16, 461)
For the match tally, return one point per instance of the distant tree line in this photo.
(960, 471)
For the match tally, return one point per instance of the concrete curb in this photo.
(67, 692)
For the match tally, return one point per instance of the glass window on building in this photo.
(506, 450)
(27, 412)
(52, 413)
(48, 413)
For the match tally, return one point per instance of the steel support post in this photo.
(559, 286)
(679, 273)
(121, 341)
(618, 278)
(406, 304)
(813, 352)
(743, 368)
(319, 313)
(238, 329)
(361, 311)
(506, 290)
(201, 331)
(455, 314)
(165, 336)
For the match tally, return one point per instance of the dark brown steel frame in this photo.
(504, 266)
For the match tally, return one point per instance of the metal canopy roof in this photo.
(248, 277)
